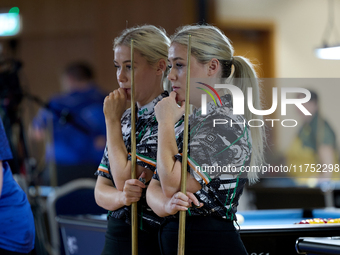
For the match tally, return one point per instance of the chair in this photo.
(73, 198)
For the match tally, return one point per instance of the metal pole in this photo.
(182, 214)
(134, 219)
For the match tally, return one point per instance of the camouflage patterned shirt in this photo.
(219, 147)
(146, 150)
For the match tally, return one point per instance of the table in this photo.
(264, 232)
(268, 232)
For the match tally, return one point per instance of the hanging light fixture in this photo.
(329, 51)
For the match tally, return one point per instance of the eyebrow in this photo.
(177, 58)
(126, 61)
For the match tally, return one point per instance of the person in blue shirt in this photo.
(17, 229)
(78, 124)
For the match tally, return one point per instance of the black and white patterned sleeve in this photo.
(104, 166)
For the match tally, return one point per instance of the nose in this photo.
(172, 75)
(121, 76)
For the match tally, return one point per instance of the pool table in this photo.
(268, 232)
(264, 232)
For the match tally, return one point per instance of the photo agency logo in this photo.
(239, 104)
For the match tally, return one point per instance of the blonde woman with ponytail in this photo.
(114, 190)
(212, 196)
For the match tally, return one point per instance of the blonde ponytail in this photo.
(244, 77)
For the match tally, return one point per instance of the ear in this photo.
(213, 66)
(160, 66)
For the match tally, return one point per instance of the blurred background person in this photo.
(17, 230)
(76, 121)
(315, 143)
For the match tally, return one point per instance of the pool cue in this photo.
(134, 217)
(182, 214)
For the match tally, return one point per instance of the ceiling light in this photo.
(328, 51)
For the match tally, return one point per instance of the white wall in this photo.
(299, 29)
(300, 25)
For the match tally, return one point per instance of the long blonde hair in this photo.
(210, 42)
(151, 42)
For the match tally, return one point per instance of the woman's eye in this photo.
(179, 65)
(116, 66)
(128, 67)
(169, 66)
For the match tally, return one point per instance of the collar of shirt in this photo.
(149, 108)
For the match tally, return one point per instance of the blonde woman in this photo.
(115, 191)
(209, 228)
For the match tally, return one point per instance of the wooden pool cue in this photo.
(182, 214)
(134, 217)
